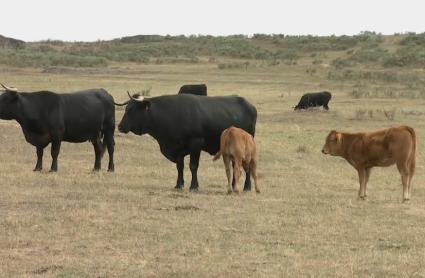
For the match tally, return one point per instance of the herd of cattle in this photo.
(186, 124)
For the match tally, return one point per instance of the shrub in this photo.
(414, 40)
(235, 65)
(302, 149)
(340, 63)
(390, 114)
(406, 56)
(369, 55)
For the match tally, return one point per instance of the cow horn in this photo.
(11, 89)
(121, 104)
(139, 98)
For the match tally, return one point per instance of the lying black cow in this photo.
(314, 99)
(186, 124)
(46, 117)
(196, 89)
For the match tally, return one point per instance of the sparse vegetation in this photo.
(302, 149)
(365, 48)
(361, 114)
(307, 222)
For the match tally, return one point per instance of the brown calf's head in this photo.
(333, 144)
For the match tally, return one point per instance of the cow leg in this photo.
(230, 178)
(404, 181)
(233, 177)
(247, 186)
(412, 164)
(98, 151)
(39, 164)
(362, 181)
(56, 145)
(368, 170)
(180, 167)
(253, 167)
(110, 144)
(404, 172)
(193, 164)
(326, 106)
(237, 171)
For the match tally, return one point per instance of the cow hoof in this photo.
(258, 191)
(111, 170)
(363, 198)
(53, 171)
(195, 189)
(229, 191)
(37, 170)
(96, 170)
(405, 200)
(178, 188)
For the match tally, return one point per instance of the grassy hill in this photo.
(367, 48)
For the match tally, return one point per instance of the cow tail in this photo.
(217, 156)
(412, 158)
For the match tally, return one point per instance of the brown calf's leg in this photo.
(237, 171)
(253, 167)
(411, 173)
(404, 172)
(226, 161)
(404, 181)
(362, 181)
(368, 170)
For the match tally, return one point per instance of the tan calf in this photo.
(238, 146)
(381, 148)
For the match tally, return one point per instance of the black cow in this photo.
(195, 89)
(186, 124)
(46, 117)
(314, 99)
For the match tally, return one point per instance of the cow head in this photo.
(8, 102)
(135, 117)
(333, 144)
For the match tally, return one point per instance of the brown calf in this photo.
(381, 148)
(238, 146)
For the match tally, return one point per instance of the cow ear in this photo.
(12, 95)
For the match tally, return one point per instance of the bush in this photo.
(414, 40)
(235, 65)
(340, 63)
(26, 58)
(369, 55)
(406, 56)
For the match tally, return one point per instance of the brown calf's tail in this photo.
(413, 133)
(217, 156)
(413, 154)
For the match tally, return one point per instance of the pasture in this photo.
(307, 220)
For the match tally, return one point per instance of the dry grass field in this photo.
(307, 220)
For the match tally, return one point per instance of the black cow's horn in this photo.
(121, 104)
(11, 89)
(139, 98)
